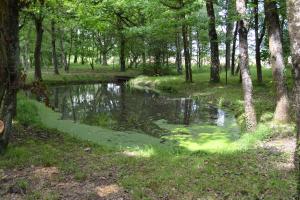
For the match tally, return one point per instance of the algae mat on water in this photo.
(197, 138)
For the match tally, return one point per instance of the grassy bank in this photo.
(81, 74)
(43, 162)
(229, 95)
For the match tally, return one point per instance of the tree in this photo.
(9, 60)
(294, 27)
(53, 41)
(277, 61)
(36, 10)
(229, 29)
(233, 48)
(250, 115)
(213, 36)
(258, 41)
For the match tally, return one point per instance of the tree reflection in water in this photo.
(116, 107)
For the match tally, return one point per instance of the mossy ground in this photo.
(147, 171)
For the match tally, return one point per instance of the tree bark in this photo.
(250, 115)
(187, 56)
(294, 27)
(9, 61)
(257, 44)
(63, 53)
(277, 61)
(178, 53)
(213, 37)
(122, 53)
(53, 42)
(229, 29)
(38, 47)
(233, 48)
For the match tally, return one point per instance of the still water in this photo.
(116, 107)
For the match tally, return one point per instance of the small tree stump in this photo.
(1, 127)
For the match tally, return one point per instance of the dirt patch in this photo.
(285, 146)
(49, 183)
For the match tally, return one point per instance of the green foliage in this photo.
(27, 113)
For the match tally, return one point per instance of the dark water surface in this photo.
(116, 107)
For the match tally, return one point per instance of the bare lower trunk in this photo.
(250, 115)
(122, 53)
(63, 53)
(277, 61)
(53, 42)
(294, 27)
(257, 44)
(104, 61)
(38, 48)
(229, 27)
(9, 60)
(178, 53)
(233, 48)
(187, 56)
(213, 37)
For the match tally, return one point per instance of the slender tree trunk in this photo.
(257, 44)
(213, 37)
(277, 61)
(198, 50)
(63, 53)
(229, 29)
(178, 53)
(104, 60)
(9, 61)
(233, 48)
(250, 115)
(122, 53)
(71, 49)
(53, 41)
(294, 27)
(38, 48)
(187, 56)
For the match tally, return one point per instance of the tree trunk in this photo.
(9, 60)
(53, 41)
(63, 53)
(294, 27)
(71, 49)
(104, 60)
(198, 50)
(38, 48)
(178, 53)
(257, 44)
(229, 27)
(250, 115)
(213, 37)
(277, 61)
(233, 48)
(187, 56)
(122, 53)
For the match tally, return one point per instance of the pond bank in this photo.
(43, 163)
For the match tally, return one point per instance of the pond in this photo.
(117, 107)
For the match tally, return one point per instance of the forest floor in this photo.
(47, 164)
(44, 164)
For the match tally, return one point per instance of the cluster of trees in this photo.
(41, 33)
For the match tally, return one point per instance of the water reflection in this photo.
(116, 107)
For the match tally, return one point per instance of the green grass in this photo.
(248, 174)
(198, 166)
(80, 74)
(229, 95)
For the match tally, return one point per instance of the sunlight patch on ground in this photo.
(46, 172)
(138, 152)
(107, 190)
